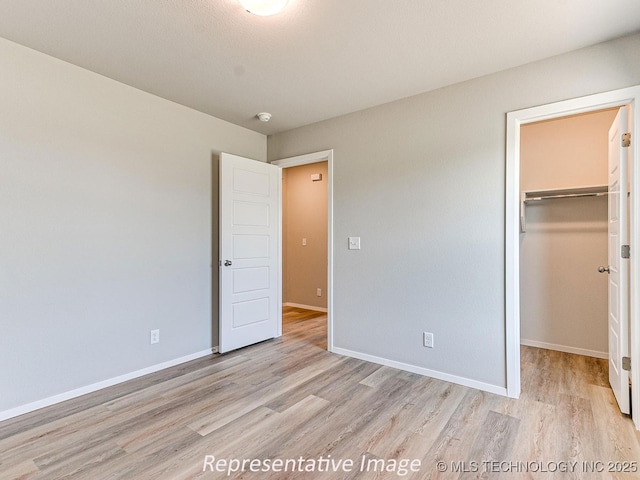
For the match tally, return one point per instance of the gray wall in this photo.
(106, 218)
(421, 180)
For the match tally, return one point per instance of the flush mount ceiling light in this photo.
(264, 8)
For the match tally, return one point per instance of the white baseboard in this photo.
(306, 307)
(46, 402)
(466, 382)
(564, 348)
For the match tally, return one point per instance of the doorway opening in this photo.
(563, 297)
(307, 219)
(515, 120)
(304, 244)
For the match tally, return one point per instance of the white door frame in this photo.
(616, 98)
(323, 156)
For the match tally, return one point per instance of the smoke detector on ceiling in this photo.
(264, 116)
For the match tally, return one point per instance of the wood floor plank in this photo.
(542, 379)
(346, 371)
(99, 398)
(379, 376)
(456, 439)
(617, 439)
(79, 463)
(28, 444)
(255, 425)
(538, 437)
(182, 384)
(19, 471)
(335, 431)
(493, 443)
(232, 410)
(288, 398)
(290, 421)
(412, 432)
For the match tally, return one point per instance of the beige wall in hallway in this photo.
(563, 297)
(304, 213)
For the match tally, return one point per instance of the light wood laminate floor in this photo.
(290, 399)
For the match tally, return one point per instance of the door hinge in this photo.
(626, 139)
(626, 363)
(625, 251)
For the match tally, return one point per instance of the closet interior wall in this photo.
(563, 297)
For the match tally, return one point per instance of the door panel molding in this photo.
(250, 253)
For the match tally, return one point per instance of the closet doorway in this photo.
(307, 220)
(514, 290)
(563, 174)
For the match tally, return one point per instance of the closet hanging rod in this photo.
(530, 196)
(567, 195)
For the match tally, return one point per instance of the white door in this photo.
(250, 304)
(618, 267)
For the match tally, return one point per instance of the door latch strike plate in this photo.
(625, 251)
(626, 363)
(626, 139)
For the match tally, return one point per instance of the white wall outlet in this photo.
(155, 336)
(354, 243)
(427, 339)
(304, 242)
(318, 292)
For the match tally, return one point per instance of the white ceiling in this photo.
(317, 59)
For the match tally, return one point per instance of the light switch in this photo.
(354, 243)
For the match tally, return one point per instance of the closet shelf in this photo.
(530, 196)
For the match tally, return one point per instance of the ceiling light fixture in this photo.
(264, 8)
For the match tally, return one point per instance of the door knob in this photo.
(228, 263)
(602, 269)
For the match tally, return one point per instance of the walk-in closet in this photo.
(563, 241)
